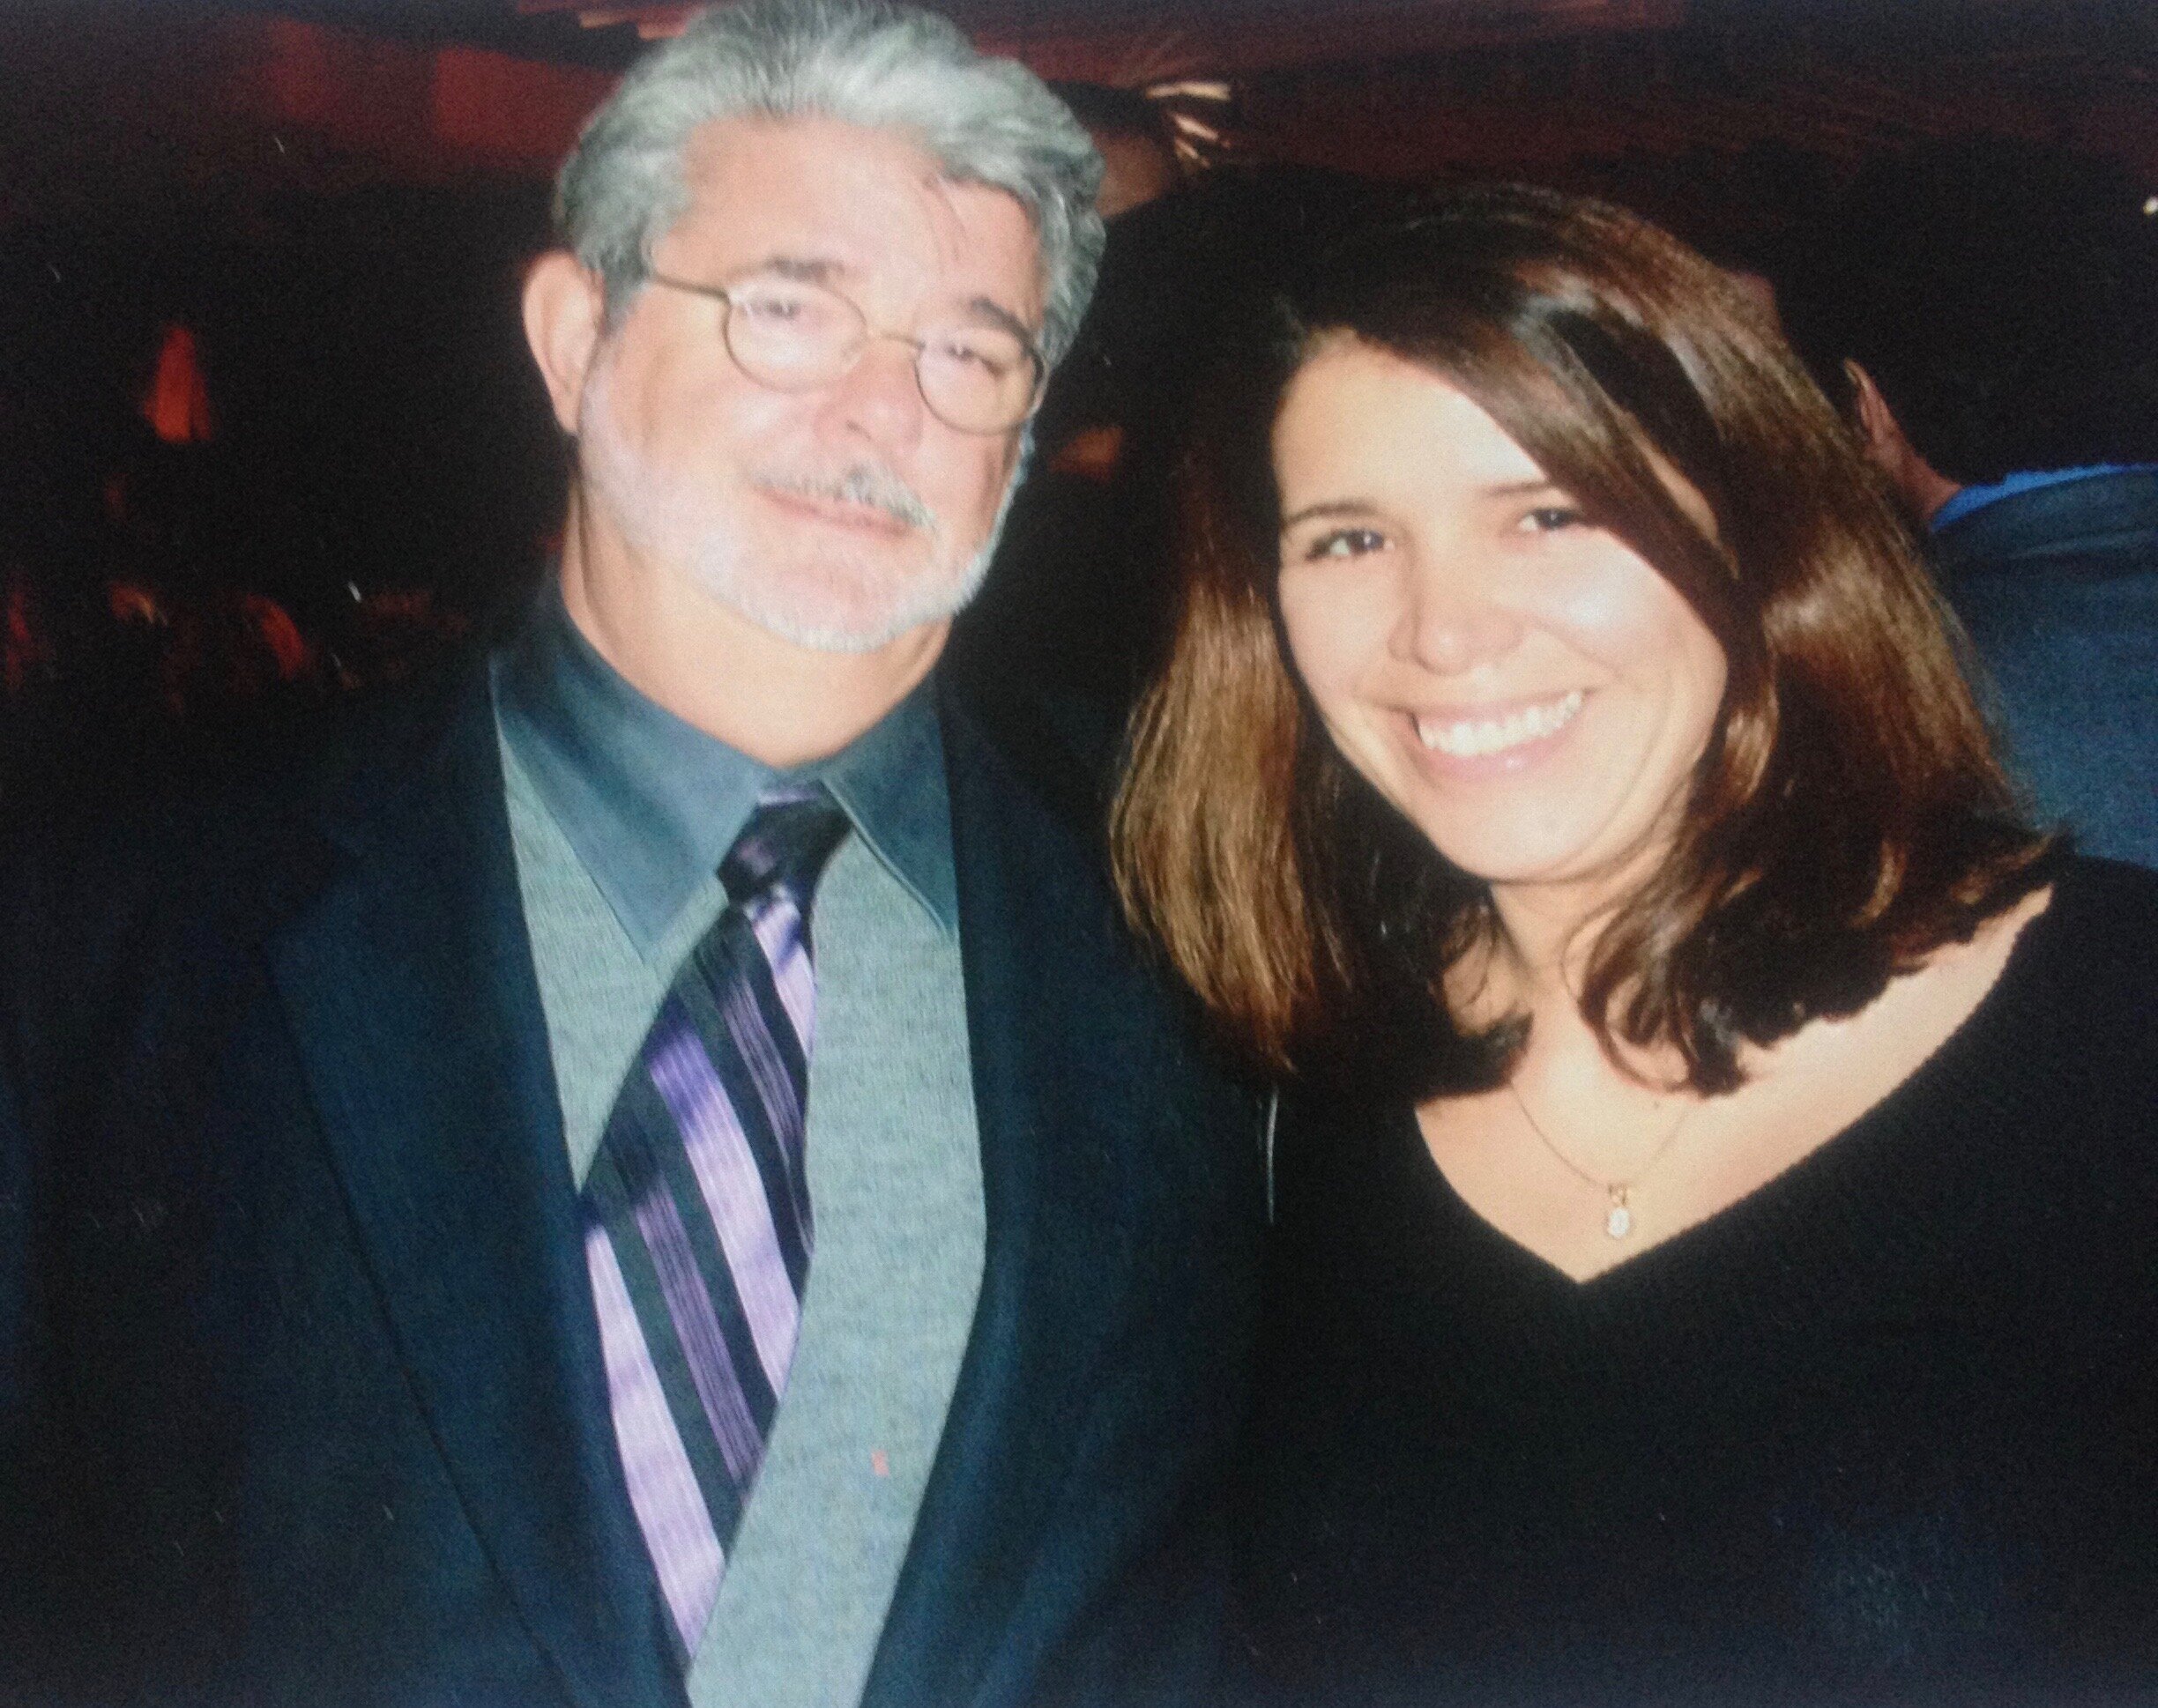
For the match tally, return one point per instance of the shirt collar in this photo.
(651, 804)
(1967, 499)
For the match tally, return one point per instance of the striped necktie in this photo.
(696, 1208)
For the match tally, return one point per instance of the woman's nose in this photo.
(1453, 619)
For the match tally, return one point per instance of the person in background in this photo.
(1717, 1156)
(1072, 593)
(1076, 612)
(1135, 139)
(1994, 309)
(653, 1176)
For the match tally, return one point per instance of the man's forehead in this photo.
(853, 204)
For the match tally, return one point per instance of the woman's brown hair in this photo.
(1847, 817)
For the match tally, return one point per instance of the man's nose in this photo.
(1452, 617)
(879, 397)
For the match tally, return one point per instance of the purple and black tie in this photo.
(696, 1208)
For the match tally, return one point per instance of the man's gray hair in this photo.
(983, 121)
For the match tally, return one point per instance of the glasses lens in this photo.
(788, 333)
(794, 336)
(979, 379)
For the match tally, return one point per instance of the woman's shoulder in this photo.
(1330, 1141)
(2096, 943)
(2070, 1029)
(2131, 892)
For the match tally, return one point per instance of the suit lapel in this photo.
(411, 991)
(1044, 1019)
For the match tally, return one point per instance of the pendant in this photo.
(1620, 1221)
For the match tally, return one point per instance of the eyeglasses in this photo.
(792, 335)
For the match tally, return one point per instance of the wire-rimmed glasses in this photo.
(795, 335)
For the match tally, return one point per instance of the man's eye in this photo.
(770, 308)
(778, 306)
(1345, 543)
(994, 356)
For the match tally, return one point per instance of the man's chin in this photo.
(815, 634)
(863, 621)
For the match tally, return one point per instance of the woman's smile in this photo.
(1517, 681)
(1496, 732)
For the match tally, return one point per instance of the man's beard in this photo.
(837, 605)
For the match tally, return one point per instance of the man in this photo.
(452, 1302)
(2055, 575)
(1993, 306)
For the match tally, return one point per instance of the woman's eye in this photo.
(1345, 543)
(1549, 518)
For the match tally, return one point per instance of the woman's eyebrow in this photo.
(1331, 507)
(1335, 507)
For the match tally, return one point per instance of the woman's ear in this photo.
(565, 311)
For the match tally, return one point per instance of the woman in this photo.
(1715, 1189)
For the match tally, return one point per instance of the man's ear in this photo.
(1878, 426)
(565, 311)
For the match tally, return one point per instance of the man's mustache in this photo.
(862, 482)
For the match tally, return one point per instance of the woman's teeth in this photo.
(1473, 737)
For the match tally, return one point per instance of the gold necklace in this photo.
(1618, 1217)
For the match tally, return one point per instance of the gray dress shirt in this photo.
(620, 814)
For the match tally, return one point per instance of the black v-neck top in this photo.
(1883, 1431)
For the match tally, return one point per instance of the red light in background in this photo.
(177, 406)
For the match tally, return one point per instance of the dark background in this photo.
(331, 203)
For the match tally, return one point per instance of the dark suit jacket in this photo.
(320, 1411)
(2058, 588)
